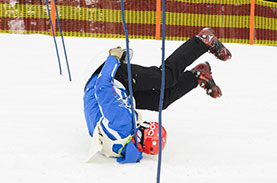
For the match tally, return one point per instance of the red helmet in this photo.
(150, 137)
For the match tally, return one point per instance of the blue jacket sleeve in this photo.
(130, 154)
(111, 107)
(115, 111)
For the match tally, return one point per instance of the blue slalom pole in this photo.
(46, 1)
(161, 95)
(57, 14)
(129, 73)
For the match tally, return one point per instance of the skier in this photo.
(107, 102)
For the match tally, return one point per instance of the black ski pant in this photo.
(146, 81)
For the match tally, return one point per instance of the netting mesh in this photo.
(184, 18)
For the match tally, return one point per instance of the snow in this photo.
(17, 26)
(43, 133)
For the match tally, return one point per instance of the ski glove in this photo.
(116, 52)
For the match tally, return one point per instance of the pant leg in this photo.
(149, 99)
(149, 78)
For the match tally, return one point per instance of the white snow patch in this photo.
(13, 2)
(17, 26)
(90, 2)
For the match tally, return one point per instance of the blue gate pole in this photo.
(57, 15)
(129, 73)
(161, 95)
(46, 1)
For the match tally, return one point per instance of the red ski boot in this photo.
(207, 35)
(205, 79)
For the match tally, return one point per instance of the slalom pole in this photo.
(161, 94)
(57, 15)
(53, 33)
(129, 72)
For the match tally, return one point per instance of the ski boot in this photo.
(205, 79)
(208, 37)
(123, 59)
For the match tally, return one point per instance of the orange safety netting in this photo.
(184, 18)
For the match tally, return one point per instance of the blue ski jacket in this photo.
(107, 101)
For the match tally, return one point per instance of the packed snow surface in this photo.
(43, 133)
